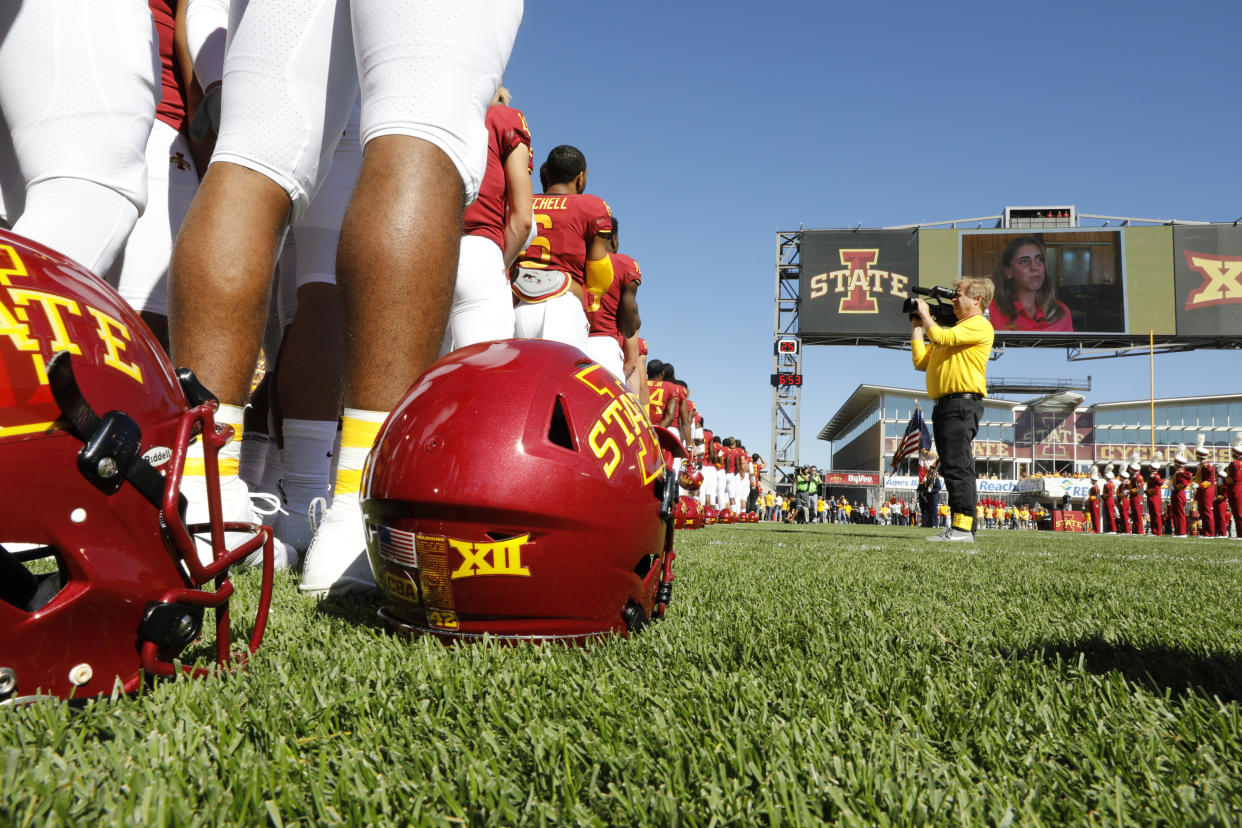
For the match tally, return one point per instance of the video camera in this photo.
(940, 304)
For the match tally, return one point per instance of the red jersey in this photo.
(642, 346)
(604, 321)
(566, 225)
(657, 396)
(171, 109)
(674, 396)
(488, 215)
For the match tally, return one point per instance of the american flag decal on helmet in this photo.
(397, 546)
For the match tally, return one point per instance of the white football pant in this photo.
(79, 82)
(560, 319)
(428, 69)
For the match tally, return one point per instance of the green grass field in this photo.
(842, 674)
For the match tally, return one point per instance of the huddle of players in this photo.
(1203, 499)
(730, 473)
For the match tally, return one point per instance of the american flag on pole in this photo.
(397, 546)
(917, 438)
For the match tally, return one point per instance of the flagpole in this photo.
(1151, 359)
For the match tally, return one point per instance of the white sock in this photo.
(306, 460)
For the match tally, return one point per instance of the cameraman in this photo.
(956, 364)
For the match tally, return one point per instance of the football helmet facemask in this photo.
(100, 581)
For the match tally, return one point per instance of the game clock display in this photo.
(786, 379)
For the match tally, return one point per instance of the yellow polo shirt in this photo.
(957, 359)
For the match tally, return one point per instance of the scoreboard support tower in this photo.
(787, 362)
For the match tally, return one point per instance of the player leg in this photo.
(425, 91)
(141, 272)
(79, 82)
(482, 308)
(311, 367)
(606, 351)
(276, 139)
(707, 492)
(560, 319)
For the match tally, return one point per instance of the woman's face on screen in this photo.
(1027, 270)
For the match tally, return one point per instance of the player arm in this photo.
(685, 424)
(517, 185)
(670, 412)
(599, 273)
(205, 24)
(628, 321)
(633, 366)
(968, 332)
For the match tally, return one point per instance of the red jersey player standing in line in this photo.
(616, 320)
(568, 260)
(711, 463)
(655, 392)
(495, 229)
(636, 368)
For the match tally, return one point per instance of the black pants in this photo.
(955, 422)
(927, 508)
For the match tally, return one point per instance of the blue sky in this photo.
(709, 127)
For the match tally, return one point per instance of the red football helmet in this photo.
(689, 513)
(518, 490)
(691, 478)
(725, 516)
(100, 582)
(710, 516)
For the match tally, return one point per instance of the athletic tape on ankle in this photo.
(357, 437)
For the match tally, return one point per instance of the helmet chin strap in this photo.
(112, 443)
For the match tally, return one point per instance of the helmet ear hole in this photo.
(25, 588)
(559, 431)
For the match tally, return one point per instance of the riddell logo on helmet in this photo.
(158, 455)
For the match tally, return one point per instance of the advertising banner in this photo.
(1055, 487)
(1207, 275)
(851, 479)
(855, 281)
(990, 487)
